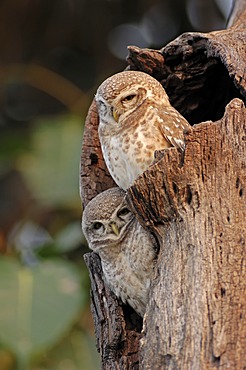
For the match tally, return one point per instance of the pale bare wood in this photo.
(117, 338)
(195, 319)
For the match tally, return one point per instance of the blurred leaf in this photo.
(76, 352)
(52, 168)
(6, 359)
(69, 237)
(13, 142)
(40, 304)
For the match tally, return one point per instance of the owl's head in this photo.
(106, 219)
(123, 93)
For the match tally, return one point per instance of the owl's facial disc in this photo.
(98, 228)
(107, 113)
(109, 233)
(127, 102)
(101, 106)
(119, 223)
(114, 110)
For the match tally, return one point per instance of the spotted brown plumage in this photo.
(135, 119)
(126, 249)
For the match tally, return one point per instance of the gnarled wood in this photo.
(196, 316)
(117, 337)
(194, 204)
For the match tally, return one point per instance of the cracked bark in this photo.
(195, 205)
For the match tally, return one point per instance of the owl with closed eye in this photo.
(127, 251)
(135, 119)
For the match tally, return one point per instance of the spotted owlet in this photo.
(126, 249)
(135, 119)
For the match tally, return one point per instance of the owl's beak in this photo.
(115, 229)
(115, 115)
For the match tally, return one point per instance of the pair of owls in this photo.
(135, 119)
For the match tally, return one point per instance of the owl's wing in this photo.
(172, 125)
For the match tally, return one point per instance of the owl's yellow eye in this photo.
(128, 97)
(123, 212)
(97, 225)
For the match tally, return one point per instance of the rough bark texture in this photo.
(117, 338)
(196, 316)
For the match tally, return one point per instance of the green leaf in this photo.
(38, 305)
(76, 351)
(51, 169)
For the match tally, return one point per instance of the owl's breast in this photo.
(129, 152)
(125, 283)
(116, 156)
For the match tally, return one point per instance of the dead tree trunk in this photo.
(196, 316)
(195, 205)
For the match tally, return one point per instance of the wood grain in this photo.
(195, 206)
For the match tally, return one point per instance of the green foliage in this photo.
(75, 352)
(40, 303)
(51, 167)
(45, 322)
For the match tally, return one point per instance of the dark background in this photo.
(53, 55)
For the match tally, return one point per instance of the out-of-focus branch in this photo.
(49, 82)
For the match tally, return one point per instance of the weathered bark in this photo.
(196, 208)
(117, 338)
(196, 315)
